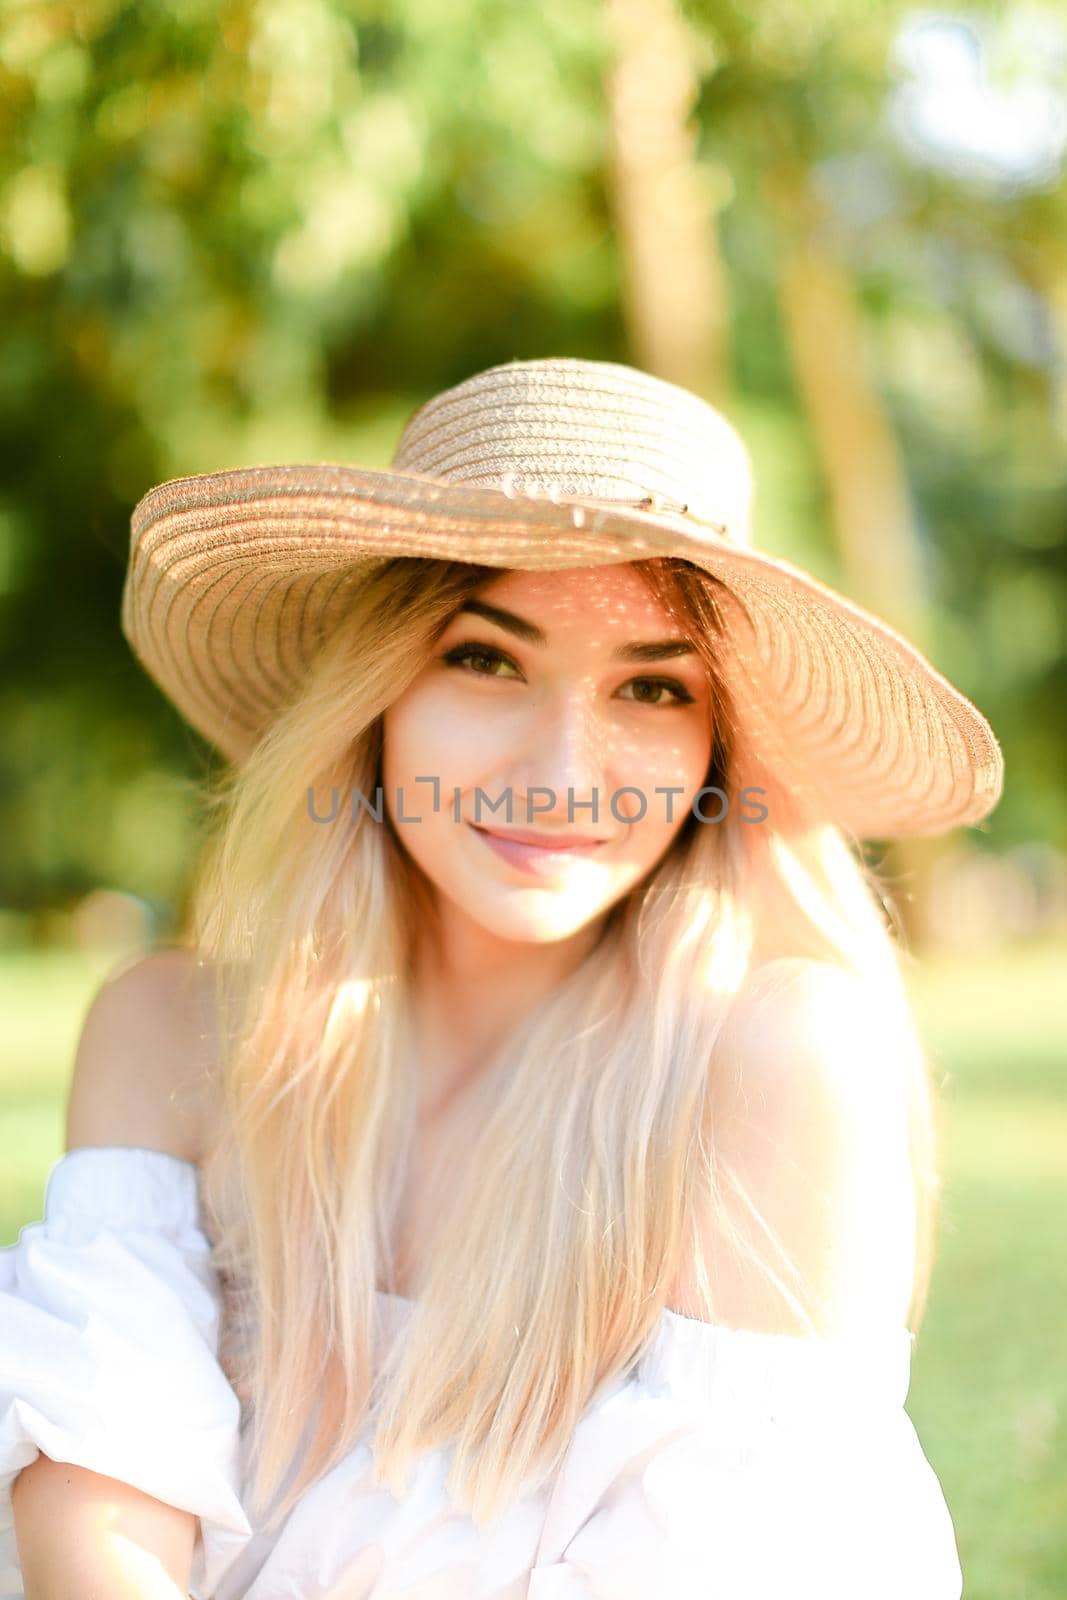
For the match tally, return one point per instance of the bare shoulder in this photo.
(813, 1054)
(144, 1071)
(808, 1096)
(798, 1015)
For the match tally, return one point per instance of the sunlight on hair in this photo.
(594, 1156)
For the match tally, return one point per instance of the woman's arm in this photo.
(138, 1068)
(82, 1536)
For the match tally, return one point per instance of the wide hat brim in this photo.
(236, 578)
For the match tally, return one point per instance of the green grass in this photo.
(44, 996)
(989, 1389)
(989, 1381)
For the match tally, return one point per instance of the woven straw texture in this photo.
(236, 578)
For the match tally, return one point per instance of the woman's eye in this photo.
(484, 656)
(659, 686)
(483, 661)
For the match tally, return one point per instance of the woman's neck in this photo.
(471, 990)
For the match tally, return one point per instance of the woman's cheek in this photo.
(416, 742)
(666, 781)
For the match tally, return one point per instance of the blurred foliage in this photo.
(265, 231)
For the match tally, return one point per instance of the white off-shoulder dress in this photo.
(724, 1464)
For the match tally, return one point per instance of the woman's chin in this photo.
(531, 916)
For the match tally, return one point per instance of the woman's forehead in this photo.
(604, 593)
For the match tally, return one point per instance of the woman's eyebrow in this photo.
(530, 633)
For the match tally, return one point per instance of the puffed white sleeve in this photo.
(110, 1311)
(735, 1465)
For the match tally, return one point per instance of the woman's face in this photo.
(548, 690)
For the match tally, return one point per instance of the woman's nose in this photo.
(568, 753)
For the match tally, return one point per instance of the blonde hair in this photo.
(592, 1158)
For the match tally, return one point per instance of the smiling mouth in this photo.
(542, 841)
(540, 859)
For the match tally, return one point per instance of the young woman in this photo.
(520, 1181)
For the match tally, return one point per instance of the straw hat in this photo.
(236, 577)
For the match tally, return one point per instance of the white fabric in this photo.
(725, 1465)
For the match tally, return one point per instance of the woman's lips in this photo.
(538, 860)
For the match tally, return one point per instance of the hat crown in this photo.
(566, 428)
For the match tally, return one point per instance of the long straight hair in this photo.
(592, 1163)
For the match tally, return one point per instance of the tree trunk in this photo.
(675, 292)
